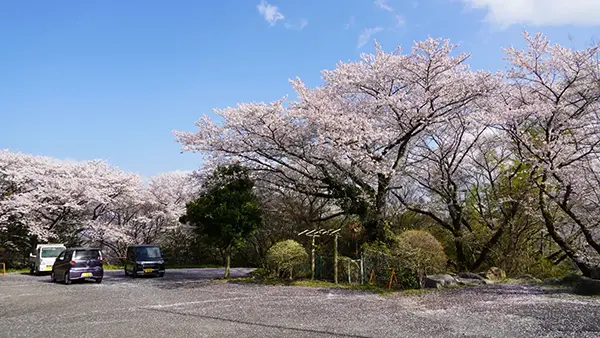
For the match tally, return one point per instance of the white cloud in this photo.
(366, 34)
(382, 4)
(297, 26)
(269, 12)
(539, 12)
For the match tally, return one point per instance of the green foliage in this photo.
(284, 257)
(15, 246)
(227, 212)
(420, 252)
(348, 268)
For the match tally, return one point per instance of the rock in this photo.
(553, 281)
(470, 281)
(595, 273)
(529, 278)
(587, 286)
(470, 275)
(495, 274)
(571, 279)
(439, 281)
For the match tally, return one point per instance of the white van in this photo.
(44, 257)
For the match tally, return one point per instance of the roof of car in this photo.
(142, 245)
(82, 249)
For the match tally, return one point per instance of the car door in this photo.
(59, 265)
(129, 260)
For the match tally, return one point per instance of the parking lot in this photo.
(187, 303)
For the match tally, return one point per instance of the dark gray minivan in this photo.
(78, 264)
(146, 259)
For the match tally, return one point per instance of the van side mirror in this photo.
(32, 255)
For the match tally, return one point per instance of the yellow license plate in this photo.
(86, 274)
(48, 268)
(147, 270)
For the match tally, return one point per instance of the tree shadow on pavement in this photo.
(270, 326)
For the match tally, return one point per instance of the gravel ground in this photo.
(187, 303)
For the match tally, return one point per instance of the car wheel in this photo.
(53, 277)
(67, 278)
(98, 280)
(134, 271)
(161, 274)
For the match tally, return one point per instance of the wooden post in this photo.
(312, 264)
(335, 259)
(362, 268)
(349, 279)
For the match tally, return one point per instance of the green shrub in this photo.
(348, 268)
(284, 257)
(420, 252)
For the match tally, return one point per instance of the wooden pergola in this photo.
(314, 233)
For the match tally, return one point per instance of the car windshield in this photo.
(148, 252)
(51, 252)
(86, 254)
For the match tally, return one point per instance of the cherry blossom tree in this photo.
(443, 167)
(89, 202)
(144, 214)
(347, 139)
(550, 110)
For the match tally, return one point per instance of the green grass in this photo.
(16, 270)
(315, 284)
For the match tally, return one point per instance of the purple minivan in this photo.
(78, 264)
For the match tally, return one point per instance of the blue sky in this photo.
(111, 79)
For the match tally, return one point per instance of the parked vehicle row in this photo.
(69, 264)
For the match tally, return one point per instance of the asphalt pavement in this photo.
(189, 303)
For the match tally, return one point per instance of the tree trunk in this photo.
(227, 262)
(461, 259)
(375, 220)
(487, 248)
(582, 263)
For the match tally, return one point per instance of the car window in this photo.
(61, 256)
(86, 254)
(148, 252)
(51, 252)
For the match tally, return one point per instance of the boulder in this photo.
(495, 274)
(470, 275)
(438, 281)
(571, 279)
(553, 281)
(595, 273)
(529, 278)
(587, 286)
(470, 281)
